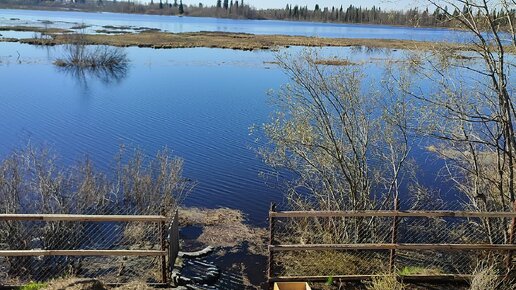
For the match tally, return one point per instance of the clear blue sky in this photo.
(384, 4)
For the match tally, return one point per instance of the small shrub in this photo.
(34, 180)
(79, 54)
(93, 57)
(388, 282)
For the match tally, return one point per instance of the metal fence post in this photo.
(270, 271)
(394, 236)
(508, 262)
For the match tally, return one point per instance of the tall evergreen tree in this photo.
(181, 8)
(219, 3)
(226, 4)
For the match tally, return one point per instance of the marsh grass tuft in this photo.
(387, 282)
(79, 54)
(99, 57)
(488, 277)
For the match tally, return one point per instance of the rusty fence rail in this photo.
(113, 248)
(357, 245)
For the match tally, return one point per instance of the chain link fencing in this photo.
(325, 245)
(34, 180)
(84, 235)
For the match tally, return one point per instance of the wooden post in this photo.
(394, 236)
(162, 232)
(270, 271)
(173, 244)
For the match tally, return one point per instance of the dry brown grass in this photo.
(47, 30)
(486, 277)
(135, 285)
(388, 282)
(92, 284)
(319, 263)
(228, 40)
(240, 41)
(75, 284)
(224, 227)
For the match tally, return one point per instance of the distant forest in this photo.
(240, 9)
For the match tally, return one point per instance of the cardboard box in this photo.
(291, 286)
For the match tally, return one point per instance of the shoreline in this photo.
(68, 9)
(224, 40)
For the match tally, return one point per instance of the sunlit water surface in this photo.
(199, 103)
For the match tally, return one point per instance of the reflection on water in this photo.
(107, 76)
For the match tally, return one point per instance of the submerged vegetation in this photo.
(97, 57)
(79, 54)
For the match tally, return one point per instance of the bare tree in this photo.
(343, 140)
(467, 105)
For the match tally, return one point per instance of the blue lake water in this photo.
(197, 102)
(200, 103)
(194, 24)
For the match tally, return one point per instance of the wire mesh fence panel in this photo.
(143, 238)
(426, 242)
(441, 262)
(332, 230)
(329, 263)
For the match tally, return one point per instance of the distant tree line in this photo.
(243, 10)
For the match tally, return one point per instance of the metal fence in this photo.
(356, 245)
(112, 248)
